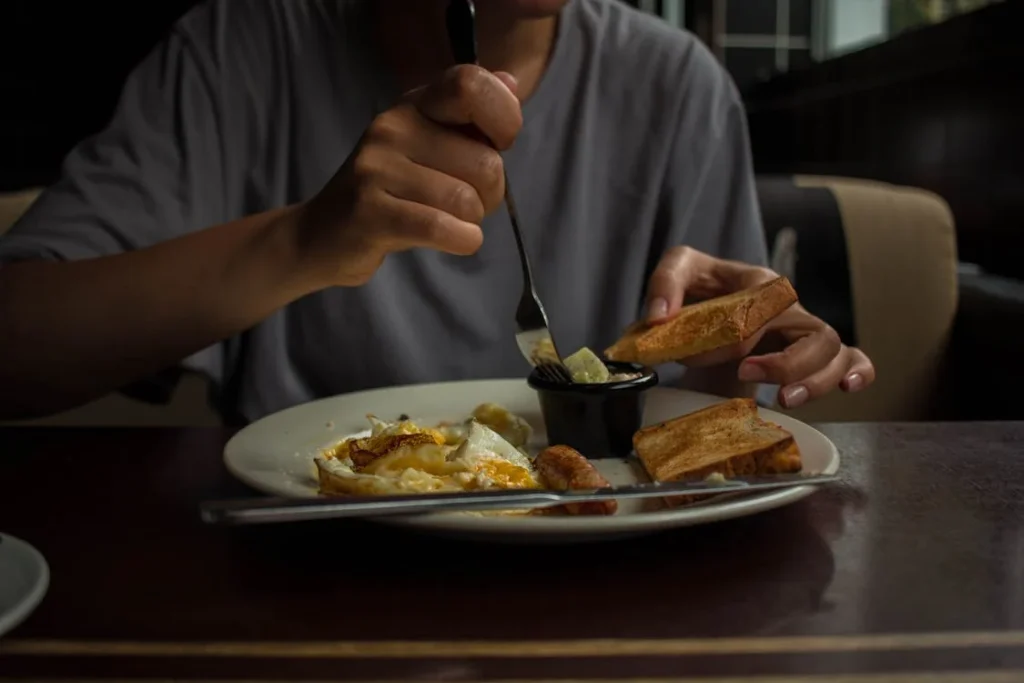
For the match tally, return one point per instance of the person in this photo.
(303, 197)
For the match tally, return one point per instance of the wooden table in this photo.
(915, 564)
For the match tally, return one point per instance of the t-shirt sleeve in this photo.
(154, 173)
(710, 198)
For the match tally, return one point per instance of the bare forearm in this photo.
(74, 331)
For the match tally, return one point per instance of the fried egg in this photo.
(510, 426)
(402, 457)
(384, 437)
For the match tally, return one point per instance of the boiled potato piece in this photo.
(587, 368)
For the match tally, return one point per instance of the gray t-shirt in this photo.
(635, 140)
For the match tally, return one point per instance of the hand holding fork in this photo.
(533, 336)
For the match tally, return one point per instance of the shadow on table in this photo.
(743, 576)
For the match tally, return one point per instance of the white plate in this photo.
(275, 455)
(24, 578)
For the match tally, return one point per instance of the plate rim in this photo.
(560, 526)
(28, 602)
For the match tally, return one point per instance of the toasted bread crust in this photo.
(728, 438)
(705, 326)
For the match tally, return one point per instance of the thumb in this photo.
(666, 287)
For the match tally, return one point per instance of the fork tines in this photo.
(554, 372)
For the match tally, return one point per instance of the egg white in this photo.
(483, 460)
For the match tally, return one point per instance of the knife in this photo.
(268, 510)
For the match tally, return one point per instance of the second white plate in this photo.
(24, 578)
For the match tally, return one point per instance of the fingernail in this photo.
(752, 372)
(657, 309)
(793, 397)
(854, 381)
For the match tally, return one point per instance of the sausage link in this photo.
(563, 468)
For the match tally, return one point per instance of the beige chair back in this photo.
(901, 248)
(13, 204)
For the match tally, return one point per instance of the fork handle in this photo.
(513, 215)
(460, 18)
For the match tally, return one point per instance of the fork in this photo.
(532, 331)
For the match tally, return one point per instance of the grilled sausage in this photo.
(563, 468)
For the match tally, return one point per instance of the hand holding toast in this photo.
(812, 361)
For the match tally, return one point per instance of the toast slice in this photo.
(728, 439)
(705, 326)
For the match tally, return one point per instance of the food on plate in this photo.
(510, 426)
(402, 457)
(385, 438)
(405, 458)
(563, 468)
(728, 439)
(585, 366)
(705, 326)
(544, 351)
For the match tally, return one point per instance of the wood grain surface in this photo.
(913, 566)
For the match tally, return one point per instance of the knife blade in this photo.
(273, 510)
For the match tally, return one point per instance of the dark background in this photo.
(61, 69)
(939, 108)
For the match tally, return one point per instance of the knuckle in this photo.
(777, 369)
(673, 262)
(789, 367)
(432, 227)
(668, 268)
(663, 276)
(364, 166)
(464, 203)
(746, 275)
(816, 387)
(466, 81)
(787, 374)
(489, 178)
(491, 169)
(367, 172)
(679, 253)
(387, 128)
(831, 337)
